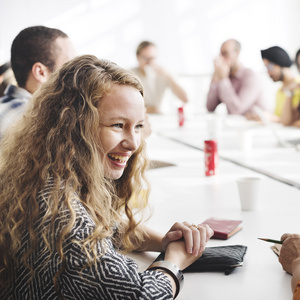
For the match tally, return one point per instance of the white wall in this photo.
(187, 32)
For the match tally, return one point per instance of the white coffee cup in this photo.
(249, 192)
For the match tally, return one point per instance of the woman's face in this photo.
(122, 119)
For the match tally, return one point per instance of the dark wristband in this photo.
(172, 270)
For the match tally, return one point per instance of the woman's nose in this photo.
(132, 140)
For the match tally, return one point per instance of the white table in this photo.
(182, 192)
(266, 156)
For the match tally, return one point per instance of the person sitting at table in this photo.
(36, 52)
(239, 88)
(69, 168)
(290, 260)
(154, 78)
(291, 112)
(278, 64)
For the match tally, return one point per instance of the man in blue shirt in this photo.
(36, 52)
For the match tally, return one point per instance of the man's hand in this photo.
(222, 69)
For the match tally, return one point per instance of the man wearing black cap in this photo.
(278, 64)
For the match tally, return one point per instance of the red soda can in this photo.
(180, 116)
(211, 157)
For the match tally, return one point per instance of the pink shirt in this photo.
(240, 93)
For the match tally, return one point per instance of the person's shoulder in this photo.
(15, 96)
(12, 102)
(11, 106)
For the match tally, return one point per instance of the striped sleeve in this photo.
(115, 276)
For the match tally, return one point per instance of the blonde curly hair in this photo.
(57, 140)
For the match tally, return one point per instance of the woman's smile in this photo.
(118, 159)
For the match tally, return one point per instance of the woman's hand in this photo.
(176, 253)
(195, 237)
(290, 251)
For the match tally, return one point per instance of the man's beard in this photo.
(280, 78)
(281, 75)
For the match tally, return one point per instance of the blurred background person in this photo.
(289, 258)
(154, 78)
(36, 52)
(297, 60)
(278, 64)
(291, 111)
(6, 77)
(234, 85)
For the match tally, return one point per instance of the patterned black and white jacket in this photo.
(114, 277)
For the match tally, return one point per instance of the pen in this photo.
(271, 241)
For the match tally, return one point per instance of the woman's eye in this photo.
(140, 126)
(118, 125)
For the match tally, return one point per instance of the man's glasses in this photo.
(270, 66)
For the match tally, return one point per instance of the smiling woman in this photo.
(68, 170)
(122, 116)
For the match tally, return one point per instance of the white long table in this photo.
(183, 192)
(266, 156)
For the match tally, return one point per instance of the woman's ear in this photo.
(40, 72)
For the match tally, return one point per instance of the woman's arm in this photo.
(176, 88)
(194, 236)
